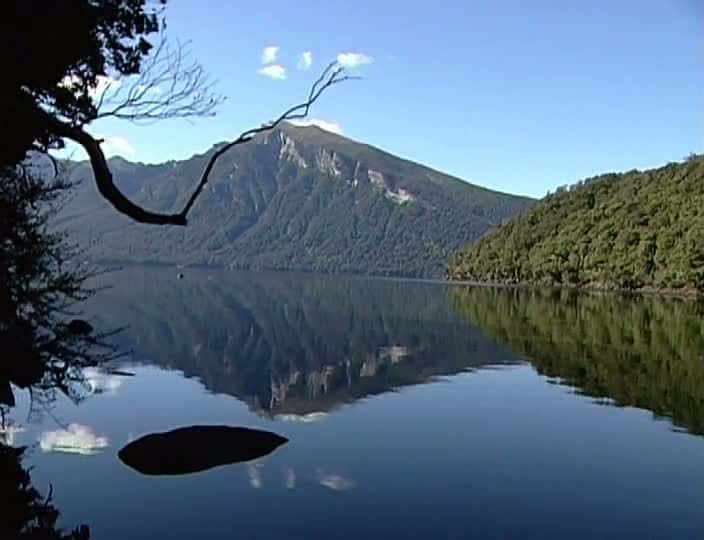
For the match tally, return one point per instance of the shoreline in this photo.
(688, 293)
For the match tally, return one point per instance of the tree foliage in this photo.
(39, 284)
(640, 229)
(54, 55)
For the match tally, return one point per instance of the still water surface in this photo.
(413, 410)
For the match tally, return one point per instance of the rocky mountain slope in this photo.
(296, 198)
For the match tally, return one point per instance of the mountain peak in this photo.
(302, 198)
(312, 125)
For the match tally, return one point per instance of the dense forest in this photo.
(636, 230)
(644, 352)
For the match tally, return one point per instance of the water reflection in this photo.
(289, 478)
(643, 351)
(335, 482)
(74, 439)
(10, 432)
(294, 347)
(446, 459)
(98, 381)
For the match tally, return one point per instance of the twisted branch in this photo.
(332, 75)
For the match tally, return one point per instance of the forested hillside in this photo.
(637, 230)
(297, 198)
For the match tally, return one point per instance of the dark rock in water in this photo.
(197, 448)
(79, 327)
(180, 276)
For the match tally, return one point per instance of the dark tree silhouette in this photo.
(26, 514)
(41, 281)
(59, 61)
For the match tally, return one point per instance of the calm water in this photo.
(413, 410)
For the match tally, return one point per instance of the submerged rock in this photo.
(197, 448)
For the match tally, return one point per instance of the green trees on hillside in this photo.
(640, 229)
(264, 211)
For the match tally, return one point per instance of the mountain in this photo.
(291, 343)
(636, 230)
(295, 198)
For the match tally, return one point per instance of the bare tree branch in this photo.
(170, 85)
(332, 75)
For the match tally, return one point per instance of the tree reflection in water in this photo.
(625, 351)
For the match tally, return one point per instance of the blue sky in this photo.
(520, 96)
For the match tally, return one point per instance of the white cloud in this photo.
(117, 146)
(289, 478)
(274, 71)
(76, 439)
(328, 125)
(335, 482)
(353, 60)
(8, 434)
(104, 84)
(304, 418)
(269, 55)
(305, 60)
(99, 382)
(254, 474)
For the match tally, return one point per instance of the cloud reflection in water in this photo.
(335, 481)
(75, 439)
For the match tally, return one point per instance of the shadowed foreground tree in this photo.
(42, 348)
(70, 63)
(26, 514)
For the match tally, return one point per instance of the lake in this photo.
(413, 410)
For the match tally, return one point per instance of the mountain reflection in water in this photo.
(415, 461)
(294, 346)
